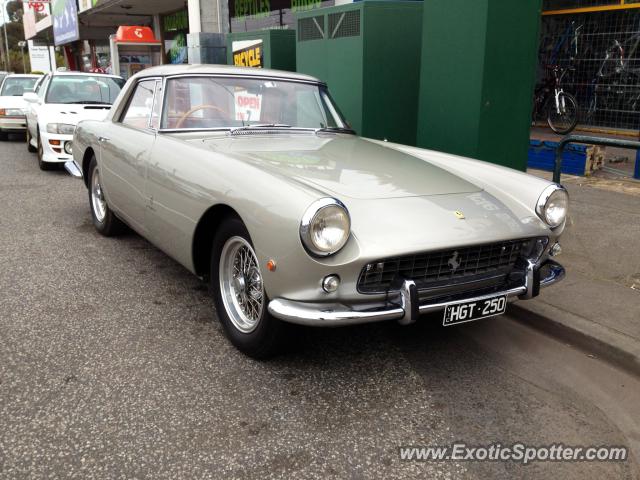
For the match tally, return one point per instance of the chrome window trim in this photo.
(307, 218)
(165, 79)
(250, 76)
(119, 115)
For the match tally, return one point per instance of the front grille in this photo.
(446, 270)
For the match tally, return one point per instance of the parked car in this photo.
(12, 103)
(63, 100)
(253, 180)
(2, 76)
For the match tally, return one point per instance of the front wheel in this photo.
(562, 116)
(30, 148)
(239, 295)
(41, 163)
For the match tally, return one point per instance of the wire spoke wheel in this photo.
(241, 284)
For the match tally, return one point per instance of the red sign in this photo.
(135, 35)
(38, 6)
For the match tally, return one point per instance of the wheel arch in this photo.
(204, 233)
(86, 159)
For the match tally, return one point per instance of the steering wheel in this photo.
(197, 108)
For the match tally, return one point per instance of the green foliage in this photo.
(15, 61)
(15, 10)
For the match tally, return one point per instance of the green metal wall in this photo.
(279, 47)
(371, 66)
(477, 78)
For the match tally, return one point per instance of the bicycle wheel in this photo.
(563, 116)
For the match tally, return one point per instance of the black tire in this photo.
(110, 225)
(3, 136)
(41, 163)
(30, 148)
(566, 120)
(266, 339)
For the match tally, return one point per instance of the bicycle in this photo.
(560, 108)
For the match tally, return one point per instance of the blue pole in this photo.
(636, 174)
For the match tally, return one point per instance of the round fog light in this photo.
(68, 148)
(555, 250)
(330, 283)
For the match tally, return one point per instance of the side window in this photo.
(43, 87)
(140, 105)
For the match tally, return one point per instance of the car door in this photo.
(125, 145)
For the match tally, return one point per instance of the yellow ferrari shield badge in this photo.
(459, 215)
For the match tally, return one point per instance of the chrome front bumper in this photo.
(405, 307)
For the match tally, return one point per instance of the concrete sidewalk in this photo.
(597, 306)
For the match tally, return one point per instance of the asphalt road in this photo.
(112, 365)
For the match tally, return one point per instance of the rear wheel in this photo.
(563, 117)
(104, 219)
(3, 136)
(239, 295)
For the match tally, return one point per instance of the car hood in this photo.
(343, 165)
(71, 113)
(13, 102)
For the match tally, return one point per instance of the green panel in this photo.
(372, 72)
(283, 50)
(392, 70)
(476, 88)
(338, 62)
(509, 82)
(451, 75)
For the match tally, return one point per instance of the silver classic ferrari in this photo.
(253, 180)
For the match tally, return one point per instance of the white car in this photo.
(62, 101)
(12, 103)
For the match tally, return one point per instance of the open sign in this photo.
(247, 106)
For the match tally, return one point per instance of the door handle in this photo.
(103, 139)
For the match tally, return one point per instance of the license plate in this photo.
(462, 312)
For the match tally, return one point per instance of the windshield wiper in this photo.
(262, 125)
(336, 130)
(91, 102)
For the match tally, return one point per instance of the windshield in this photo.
(17, 86)
(231, 102)
(87, 89)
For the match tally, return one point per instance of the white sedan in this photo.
(63, 100)
(12, 104)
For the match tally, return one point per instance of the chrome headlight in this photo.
(553, 205)
(325, 227)
(61, 128)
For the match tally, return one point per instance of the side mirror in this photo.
(31, 97)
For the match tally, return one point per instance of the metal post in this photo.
(22, 44)
(636, 173)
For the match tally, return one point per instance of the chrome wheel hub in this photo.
(241, 284)
(98, 202)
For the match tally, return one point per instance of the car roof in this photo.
(170, 70)
(23, 75)
(83, 74)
